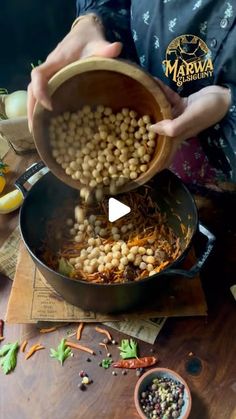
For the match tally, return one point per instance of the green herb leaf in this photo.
(62, 353)
(128, 348)
(106, 363)
(8, 355)
(65, 268)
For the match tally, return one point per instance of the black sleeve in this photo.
(221, 139)
(115, 16)
(228, 78)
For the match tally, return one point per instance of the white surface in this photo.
(116, 209)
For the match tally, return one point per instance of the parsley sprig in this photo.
(8, 355)
(106, 363)
(62, 353)
(128, 348)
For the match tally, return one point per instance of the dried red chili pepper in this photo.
(1, 327)
(144, 362)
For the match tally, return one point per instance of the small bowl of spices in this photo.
(162, 394)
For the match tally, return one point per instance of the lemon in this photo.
(11, 201)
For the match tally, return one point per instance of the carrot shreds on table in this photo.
(79, 331)
(80, 347)
(105, 346)
(104, 332)
(23, 345)
(2, 338)
(48, 330)
(33, 349)
(1, 327)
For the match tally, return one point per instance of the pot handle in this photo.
(192, 272)
(35, 168)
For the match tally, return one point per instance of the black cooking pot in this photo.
(49, 195)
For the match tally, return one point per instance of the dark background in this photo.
(29, 30)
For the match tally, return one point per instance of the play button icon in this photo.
(116, 209)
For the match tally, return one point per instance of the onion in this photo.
(16, 104)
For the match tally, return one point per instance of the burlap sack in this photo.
(15, 131)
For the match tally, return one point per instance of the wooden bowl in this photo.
(114, 83)
(146, 380)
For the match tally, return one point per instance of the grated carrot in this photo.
(103, 344)
(79, 331)
(150, 230)
(80, 347)
(34, 349)
(49, 330)
(104, 332)
(23, 345)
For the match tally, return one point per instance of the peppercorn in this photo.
(106, 341)
(162, 398)
(114, 373)
(82, 387)
(85, 380)
(88, 360)
(124, 372)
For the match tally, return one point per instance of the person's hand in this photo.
(193, 114)
(84, 40)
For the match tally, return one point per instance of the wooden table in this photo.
(41, 389)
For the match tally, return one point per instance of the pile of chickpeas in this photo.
(103, 149)
(100, 148)
(99, 256)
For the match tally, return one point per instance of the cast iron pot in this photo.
(49, 194)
